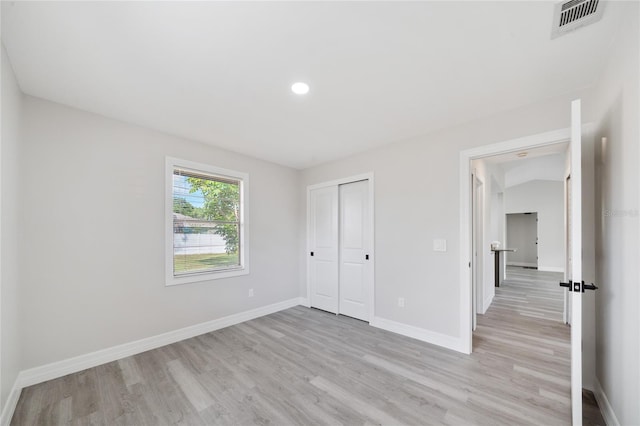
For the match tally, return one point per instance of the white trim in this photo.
(606, 409)
(243, 269)
(365, 176)
(10, 404)
(487, 302)
(57, 369)
(551, 268)
(304, 301)
(542, 139)
(342, 181)
(523, 264)
(418, 333)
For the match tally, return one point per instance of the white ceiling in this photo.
(511, 159)
(550, 167)
(220, 72)
(542, 163)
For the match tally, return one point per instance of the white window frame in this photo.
(172, 163)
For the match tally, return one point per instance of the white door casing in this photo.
(323, 248)
(477, 247)
(354, 265)
(465, 271)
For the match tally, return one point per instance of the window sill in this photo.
(206, 276)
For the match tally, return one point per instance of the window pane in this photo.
(206, 218)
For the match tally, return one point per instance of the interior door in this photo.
(575, 279)
(323, 248)
(355, 265)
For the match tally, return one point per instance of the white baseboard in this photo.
(524, 264)
(606, 409)
(304, 301)
(418, 333)
(486, 303)
(551, 269)
(57, 369)
(10, 405)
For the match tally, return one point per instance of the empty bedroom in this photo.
(246, 213)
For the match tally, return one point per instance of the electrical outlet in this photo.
(250, 292)
(401, 302)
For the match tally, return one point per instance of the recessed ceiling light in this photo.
(522, 154)
(300, 88)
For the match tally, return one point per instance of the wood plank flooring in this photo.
(304, 366)
(531, 293)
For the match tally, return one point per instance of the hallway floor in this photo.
(525, 323)
(530, 293)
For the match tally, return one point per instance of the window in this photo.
(206, 222)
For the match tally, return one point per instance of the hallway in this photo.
(524, 331)
(531, 293)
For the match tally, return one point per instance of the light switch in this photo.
(439, 244)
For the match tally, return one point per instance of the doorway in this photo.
(522, 232)
(549, 140)
(340, 247)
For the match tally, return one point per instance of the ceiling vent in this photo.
(571, 15)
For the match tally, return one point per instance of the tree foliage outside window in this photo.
(221, 205)
(206, 213)
(182, 206)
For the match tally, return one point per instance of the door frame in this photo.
(372, 256)
(466, 253)
(477, 244)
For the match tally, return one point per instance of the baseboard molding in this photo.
(486, 303)
(10, 404)
(57, 369)
(551, 269)
(419, 334)
(523, 264)
(606, 409)
(304, 301)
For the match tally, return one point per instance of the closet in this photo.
(340, 242)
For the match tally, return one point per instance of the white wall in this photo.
(546, 197)
(93, 235)
(9, 230)
(417, 200)
(617, 318)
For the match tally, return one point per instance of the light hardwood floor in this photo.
(304, 366)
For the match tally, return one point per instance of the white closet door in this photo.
(323, 246)
(355, 267)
